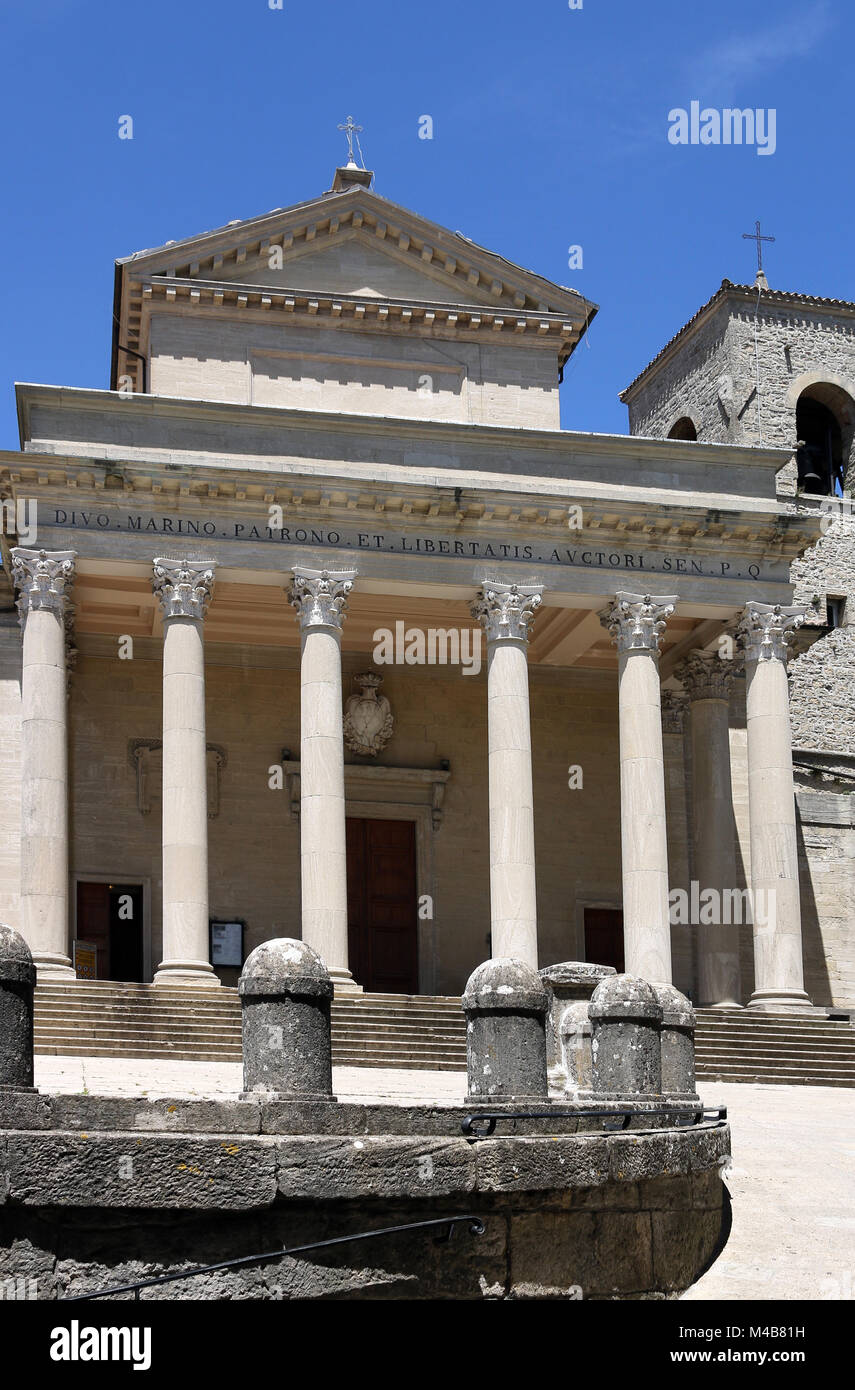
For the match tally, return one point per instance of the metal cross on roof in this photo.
(752, 236)
(350, 128)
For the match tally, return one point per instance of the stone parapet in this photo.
(88, 1182)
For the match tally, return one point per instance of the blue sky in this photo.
(550, 130)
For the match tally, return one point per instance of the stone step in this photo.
(778, 1068)
(829, 1048)
(774, 1078)
(97, 989)
(55, 1010)
(408, 1038)
(143, 1007)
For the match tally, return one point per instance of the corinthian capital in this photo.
(766, 628)
(637, 621)
(320, 596)
(183, 587)
(706, 676)
(506, 611)
(41, 578)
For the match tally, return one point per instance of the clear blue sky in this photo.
(550, 129)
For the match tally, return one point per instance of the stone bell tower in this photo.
(762, 366)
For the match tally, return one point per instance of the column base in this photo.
(780, 1001)
(724, 1004)
(53, 967)
(180, 973)
(343, 982)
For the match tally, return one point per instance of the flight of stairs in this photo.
(779, 1048)
(102, 1019)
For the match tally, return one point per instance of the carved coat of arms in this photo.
(368, 721)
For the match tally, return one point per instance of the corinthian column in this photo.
(184, 590)
(506, 612)
(320, 598)
(707, 680)
(41, 579)
(636, 622)
(765, 630)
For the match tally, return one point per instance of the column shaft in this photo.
(320, 599)
(778, 964)
(636, 622)
(41, 578)
(708, 679)
(506, 612)
(715, 857)
(184, 589)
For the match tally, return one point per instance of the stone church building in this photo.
(317, 623)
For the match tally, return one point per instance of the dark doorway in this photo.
(110, 916)
(382, 905)
(604, 936)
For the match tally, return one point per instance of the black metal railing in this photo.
(482, 1125)
(476, 1228)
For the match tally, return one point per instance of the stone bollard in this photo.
(17, 983)
(678, 1044)
(285, 994)
(505, 1003)
(625, 1044)
(571, 981)
(574, 1033)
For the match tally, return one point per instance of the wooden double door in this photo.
(382, 905)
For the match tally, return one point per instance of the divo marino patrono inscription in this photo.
(401, 543)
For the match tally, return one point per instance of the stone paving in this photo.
(792, 1179)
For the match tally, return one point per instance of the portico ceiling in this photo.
(261, 615)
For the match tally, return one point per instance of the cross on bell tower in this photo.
(761, 282)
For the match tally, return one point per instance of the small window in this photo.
(835, 607)
(684, 428)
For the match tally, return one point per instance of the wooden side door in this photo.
(93, 922)
(382, 905)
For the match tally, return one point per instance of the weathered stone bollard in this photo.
(285, 994)
(569, 982)
(17, 983)
(678, 1044)
(505, 1003)
(575, 1031)
(625, 1044)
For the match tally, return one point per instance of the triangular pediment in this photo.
(355, 263)
(357, 242)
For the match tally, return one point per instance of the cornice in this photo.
(672, 454)
(612, 516)
(359, 311)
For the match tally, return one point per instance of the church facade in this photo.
(317, 624)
